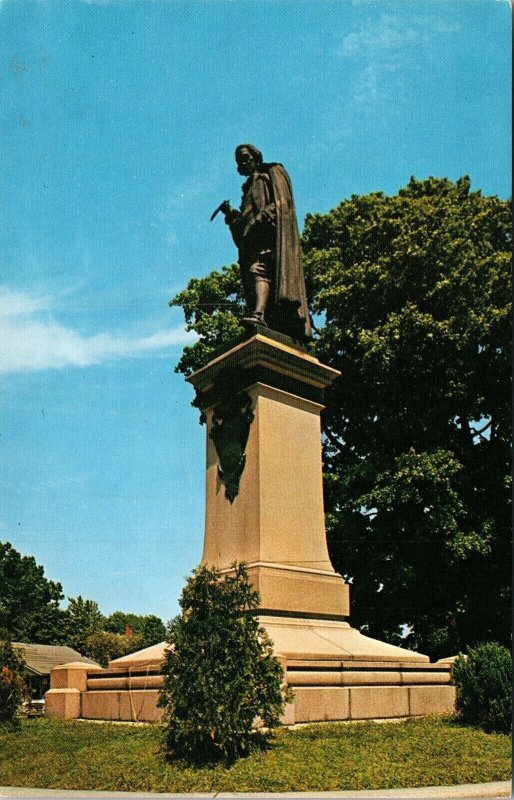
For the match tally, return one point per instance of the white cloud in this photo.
(389, 46)
(384, 34)
(17, 304)
(390, 33)
(31, 339)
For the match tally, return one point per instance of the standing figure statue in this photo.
(265, 232)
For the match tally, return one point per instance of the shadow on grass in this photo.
(459, 721)
(208, 755)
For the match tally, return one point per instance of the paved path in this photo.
(470, 790)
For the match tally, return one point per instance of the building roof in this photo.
(150, 655)
(42, 658)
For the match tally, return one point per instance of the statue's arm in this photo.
(234, 221)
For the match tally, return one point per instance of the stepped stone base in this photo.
(335, 672)
(314, 638)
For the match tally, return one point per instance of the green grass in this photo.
(422, 752)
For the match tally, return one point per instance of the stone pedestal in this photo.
(262, 400)
(275, 522)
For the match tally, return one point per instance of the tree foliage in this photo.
(148, 629)
(212, 307)
(12, 685)
(220, 673)
(412, 299)
(121, 633)
(103, 646)
(84, 620)
(29, 602)
(30, 612)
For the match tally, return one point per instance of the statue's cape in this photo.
(289, 284)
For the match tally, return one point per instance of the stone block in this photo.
(434, 677)
(310, 678)
(288, 717)
(62, 703)
(140, 705)
(379, 702)
(365, 678)
(432, 700)
(101, 705)
(72, 676)
(280, 498)
(283, 588)
(320, 704)
(128, 682)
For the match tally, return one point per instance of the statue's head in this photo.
(248, 159)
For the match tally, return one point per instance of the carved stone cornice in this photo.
(262, 359)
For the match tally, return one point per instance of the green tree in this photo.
(150, 629)
(12, 686)
(29, 602)
(220, 673)
(212, 307)
(119, 621)
(153, 630)
(84, 619)
(30, 612)
(103, 646)
(412, 299)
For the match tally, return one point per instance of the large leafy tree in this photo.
(411, 294)
(29, 602)
(104, 646)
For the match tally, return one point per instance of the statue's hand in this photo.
(232, 215)
(224, 207)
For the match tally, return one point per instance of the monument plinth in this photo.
(261, 400)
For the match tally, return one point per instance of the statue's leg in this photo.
(248, 285)
(259, 273)
(262, 294)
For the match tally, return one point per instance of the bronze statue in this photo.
(265, 232)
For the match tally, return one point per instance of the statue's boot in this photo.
(262, 294)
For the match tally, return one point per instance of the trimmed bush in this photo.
(12, 686)
(484, 687)
(220, 674)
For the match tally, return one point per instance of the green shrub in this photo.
(220, 674)
(12, 686)
(484, 687)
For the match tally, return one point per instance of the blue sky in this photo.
(119, 121)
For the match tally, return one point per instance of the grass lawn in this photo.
(422, 752)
